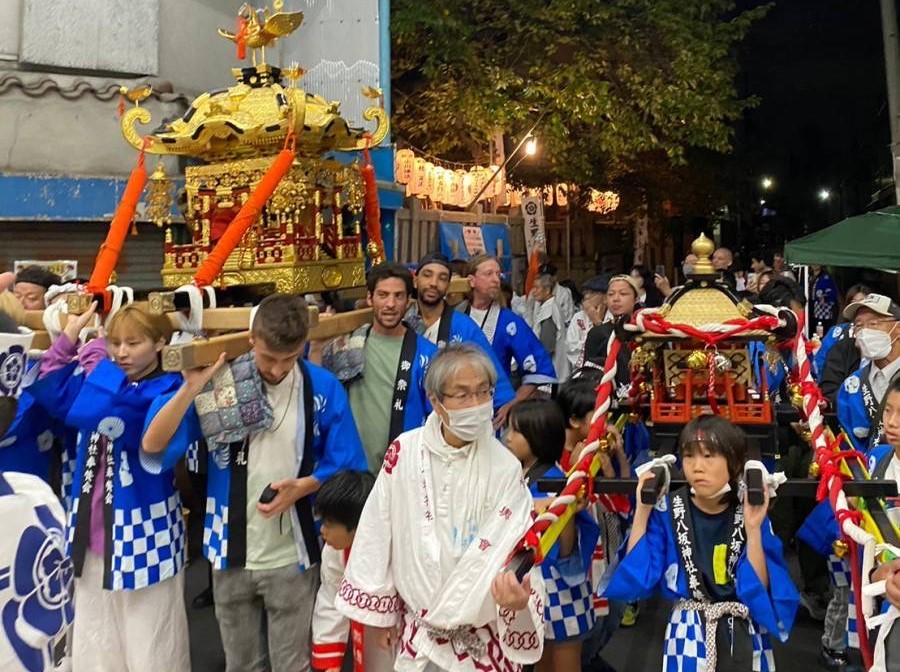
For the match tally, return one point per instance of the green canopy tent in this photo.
(871, 240)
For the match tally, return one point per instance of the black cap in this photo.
(598, 284)
(434, 258)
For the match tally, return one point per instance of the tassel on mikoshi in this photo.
(249, 212)
(375, 246)
(109, 252)
(241, 38)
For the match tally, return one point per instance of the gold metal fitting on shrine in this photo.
(840, 548)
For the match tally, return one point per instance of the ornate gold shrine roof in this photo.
(253, 117)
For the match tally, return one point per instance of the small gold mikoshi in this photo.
(698, 360)
(839, 548)
(814, 470)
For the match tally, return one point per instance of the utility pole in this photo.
(892, 70)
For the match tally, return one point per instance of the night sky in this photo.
(822, 122)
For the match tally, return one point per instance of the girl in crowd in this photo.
(706, 549)
(126, 531)
(536, 437)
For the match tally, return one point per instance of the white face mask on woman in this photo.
(469, 423)
(874, 344)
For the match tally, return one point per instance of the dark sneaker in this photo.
(833, 659)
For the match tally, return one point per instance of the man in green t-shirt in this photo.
(384, 365)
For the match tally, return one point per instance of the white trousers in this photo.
(142, 630)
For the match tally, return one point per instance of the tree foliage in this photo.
(609, 80)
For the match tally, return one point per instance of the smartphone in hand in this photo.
(660, 270)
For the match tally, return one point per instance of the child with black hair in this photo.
(715, 555)
(339, 503)
(536, 436)
(576, 399)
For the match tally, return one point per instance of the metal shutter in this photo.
(139, 265)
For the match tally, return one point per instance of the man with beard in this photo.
(383, 365)
(431, 317)
(509, 335)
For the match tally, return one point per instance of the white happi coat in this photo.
(435, 532)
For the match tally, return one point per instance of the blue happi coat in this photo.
(27, 446)
(335, 446)
(569, 609)
(513, 340)
(37, 444)
(143, 521)
(837, 333)
(462, 329)
(857, 409)
(655, 565)
(345, 359)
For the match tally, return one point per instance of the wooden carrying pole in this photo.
(203, 352)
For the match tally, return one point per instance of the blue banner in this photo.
(464, 241)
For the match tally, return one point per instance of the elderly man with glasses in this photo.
(875, 321)
(426, 569)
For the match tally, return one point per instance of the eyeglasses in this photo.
(478, 395)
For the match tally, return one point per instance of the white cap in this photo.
(877, 303)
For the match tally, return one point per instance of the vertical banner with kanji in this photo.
(533, 212)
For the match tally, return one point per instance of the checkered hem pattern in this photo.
(215, 537)
(839, 571)
(148, 544)
(569, 610)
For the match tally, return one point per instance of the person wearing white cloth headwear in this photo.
(449, 505)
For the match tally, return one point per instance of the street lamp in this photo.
(767, 183)
(824, 195)
(531, 147)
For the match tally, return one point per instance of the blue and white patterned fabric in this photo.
(857, 409)
(513, 340)
(464, 330)
(839, 571)
(655, 565)
(142, 510)
(569, 611)
(27, 447)
(837, 333)
(852, 633)
(36, 577)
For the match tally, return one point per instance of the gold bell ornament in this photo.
(698, 359)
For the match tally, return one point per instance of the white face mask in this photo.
(687, 269)
(874, 344)
(469, 423)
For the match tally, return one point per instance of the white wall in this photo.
(338, 46)
(10, 20)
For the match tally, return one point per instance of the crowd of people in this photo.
(363, 495)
